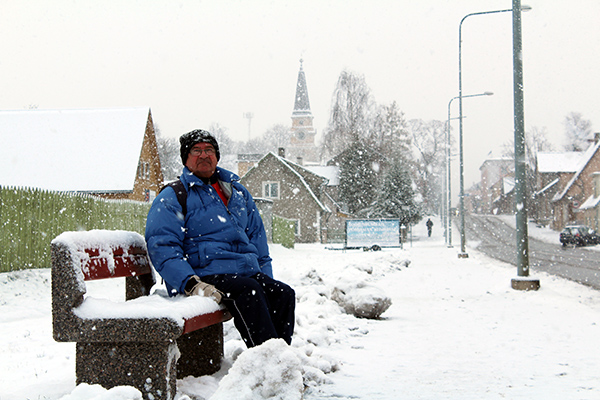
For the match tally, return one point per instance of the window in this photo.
(144, 170)
(271, 190)
(296, 223)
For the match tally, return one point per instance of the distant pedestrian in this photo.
(429, 224)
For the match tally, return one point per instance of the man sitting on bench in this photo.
(209, 239)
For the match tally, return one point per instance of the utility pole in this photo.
(520, 283)
(249, 116)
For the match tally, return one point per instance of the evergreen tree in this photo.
(389, 133)
(396, 198)
(358, 177)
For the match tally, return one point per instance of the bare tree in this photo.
(578, 132)
(536, 140)
(169, 154)
(428, 139)
(351, 113)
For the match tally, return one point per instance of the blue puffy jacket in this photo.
(212, 238)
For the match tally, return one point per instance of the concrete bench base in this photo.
(149, 365)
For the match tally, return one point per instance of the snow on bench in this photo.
(145, 341)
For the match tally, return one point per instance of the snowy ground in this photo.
(455, 330)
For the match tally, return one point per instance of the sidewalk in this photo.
(456, 330)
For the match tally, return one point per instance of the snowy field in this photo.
(455, 330)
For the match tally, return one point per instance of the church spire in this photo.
(302, 139)
(301, 103)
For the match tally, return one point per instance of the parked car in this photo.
(579, 235)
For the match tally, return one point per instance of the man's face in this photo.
(202, 160)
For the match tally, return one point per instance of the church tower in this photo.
(302, 141)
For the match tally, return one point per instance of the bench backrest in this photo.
(82, 256)
(116, 263)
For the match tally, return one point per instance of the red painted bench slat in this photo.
(132, 264)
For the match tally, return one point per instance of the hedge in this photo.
(31, 218)
(283, 231)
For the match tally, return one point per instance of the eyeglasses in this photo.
(196, 152)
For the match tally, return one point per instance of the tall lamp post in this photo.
(463, 251)
(520, 283)
(448, 192)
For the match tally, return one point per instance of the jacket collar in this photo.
(188, 178)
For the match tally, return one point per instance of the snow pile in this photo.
(356, 296)
(96, 392)
(269, 371)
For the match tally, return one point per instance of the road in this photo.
(496, 239)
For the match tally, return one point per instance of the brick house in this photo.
(111, 153)
(493, 172)
(579, 190)
(297, 194)
(553, 172)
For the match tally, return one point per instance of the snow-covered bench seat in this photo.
(145, 341)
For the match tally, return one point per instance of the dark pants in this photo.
(262, 307)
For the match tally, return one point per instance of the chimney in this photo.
(299, 160)
(281, 152)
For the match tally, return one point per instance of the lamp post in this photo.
(521, 283)
(463, 252)
(448, 191)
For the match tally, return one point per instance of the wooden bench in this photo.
(146, 341)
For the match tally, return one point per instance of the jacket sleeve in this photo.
(257, 235)
(164, 239)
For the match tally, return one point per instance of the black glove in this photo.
(195, 287)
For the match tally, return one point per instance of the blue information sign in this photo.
(369, 232)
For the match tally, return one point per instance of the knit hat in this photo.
(188, 140)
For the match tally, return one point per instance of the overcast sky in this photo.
(201, 62)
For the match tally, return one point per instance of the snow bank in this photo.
(269, 371)
(96, 392)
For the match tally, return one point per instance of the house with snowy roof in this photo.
(492, 188)
(579, 190)
(553, 172)
(111, 153)
(298, 194)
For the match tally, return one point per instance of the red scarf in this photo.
(220, 192)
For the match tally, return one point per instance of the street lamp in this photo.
(448, 191)
(463, 252)
(520, 283)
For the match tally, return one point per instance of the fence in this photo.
(31, 218)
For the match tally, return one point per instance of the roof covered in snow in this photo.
(559, 162)
(329, 172)
(72, 150)
(586, 156)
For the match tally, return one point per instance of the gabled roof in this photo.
(508, 184)
(547, 187)
(590, 203)
(583, 162)
(329, 172)
(72, 150)
(559, 162)
(300, 172)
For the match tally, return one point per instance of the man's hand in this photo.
(199, 288)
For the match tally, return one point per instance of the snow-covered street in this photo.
(455, 330)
